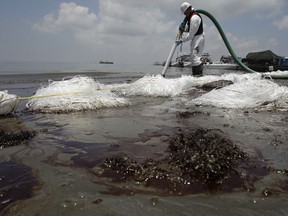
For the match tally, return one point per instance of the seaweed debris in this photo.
(199, 160)
(15, 138)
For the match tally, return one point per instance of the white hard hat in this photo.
(184, 6)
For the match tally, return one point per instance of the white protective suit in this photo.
(196, 40)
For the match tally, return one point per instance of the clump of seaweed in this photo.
(199, 160)
(15, 138)
(205, 155)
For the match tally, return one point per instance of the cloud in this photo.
(282, 24)
(130, 19)
(215, 44)
(69, 16)
(134, 29)
(137, 18)
(115, 22)
(272, 42)
(119, 28)
(227, 8)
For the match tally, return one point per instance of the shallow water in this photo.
(65, 154)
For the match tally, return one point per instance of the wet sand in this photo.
(65, 155)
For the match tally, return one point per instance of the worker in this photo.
(193, 26)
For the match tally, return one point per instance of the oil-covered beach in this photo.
(123, 140)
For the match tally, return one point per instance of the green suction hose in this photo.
(234, 56)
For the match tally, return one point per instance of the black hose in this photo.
(234, 56)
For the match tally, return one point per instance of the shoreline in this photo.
(57, 74)
(66, 152)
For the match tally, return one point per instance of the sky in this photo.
(133, 31)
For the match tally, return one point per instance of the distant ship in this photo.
(106, 62)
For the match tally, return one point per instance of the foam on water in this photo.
(84, 93)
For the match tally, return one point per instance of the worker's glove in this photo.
(178, 42)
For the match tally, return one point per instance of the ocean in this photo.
(86, 113)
